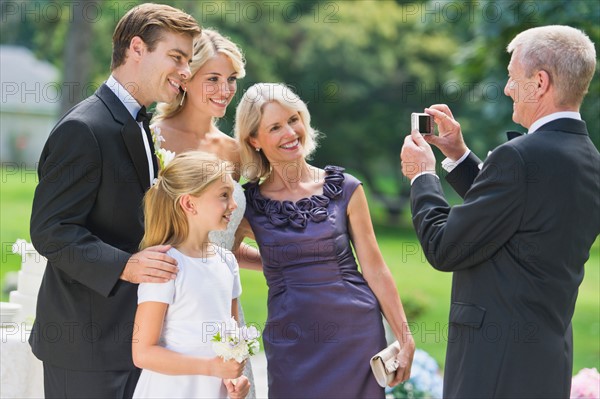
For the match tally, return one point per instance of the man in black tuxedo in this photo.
(87, 211)
(518, 244)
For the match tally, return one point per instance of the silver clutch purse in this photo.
(384, 364)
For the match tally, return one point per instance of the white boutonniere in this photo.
(233, 342)
(164, 156)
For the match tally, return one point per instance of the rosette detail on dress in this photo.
(298, 214)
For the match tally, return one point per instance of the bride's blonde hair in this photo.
(188, 173)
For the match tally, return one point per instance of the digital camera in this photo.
(421, 122)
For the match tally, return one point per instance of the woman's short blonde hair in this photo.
(208, 45)
(255, 165)
(190, 173)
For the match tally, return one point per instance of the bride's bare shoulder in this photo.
(224, 138)
(229, 146)
(228, 149)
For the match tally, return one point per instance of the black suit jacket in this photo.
(87, 220)
(517, 247)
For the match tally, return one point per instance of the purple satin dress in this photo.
(324, 322)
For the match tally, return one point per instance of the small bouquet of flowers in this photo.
(164, 156)
(586, 384)
(233, 342)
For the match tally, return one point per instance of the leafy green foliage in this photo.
(483, 60)
(362, 66)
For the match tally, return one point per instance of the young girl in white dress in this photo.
(176, 321)
(190, 123)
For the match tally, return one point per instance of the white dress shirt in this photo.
(133, 107)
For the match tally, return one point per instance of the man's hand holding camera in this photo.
(450, 140)
(417, 156)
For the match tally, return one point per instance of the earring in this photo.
(257, 149)
(183, 97)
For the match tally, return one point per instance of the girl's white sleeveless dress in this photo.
(199, 302)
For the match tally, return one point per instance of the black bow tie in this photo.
(511, 134)
(143, 116)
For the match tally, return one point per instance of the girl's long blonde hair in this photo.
(188, 173)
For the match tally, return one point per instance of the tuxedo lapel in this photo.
(131, 133)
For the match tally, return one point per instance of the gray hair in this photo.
(255, 165)
(566, 53)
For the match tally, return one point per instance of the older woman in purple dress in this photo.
(324, 316)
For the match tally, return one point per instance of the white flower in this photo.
(164, 156)
(231, 342)
(230, 350)
(253, 347)
(157, 138)
(249, 333)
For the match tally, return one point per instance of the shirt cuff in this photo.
(449, 164)
(421, 174)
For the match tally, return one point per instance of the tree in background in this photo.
(77, 60)
(482, 62)
(362, 66)
(359, 65)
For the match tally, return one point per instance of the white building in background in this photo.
(30, 92)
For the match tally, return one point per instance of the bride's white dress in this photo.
(226, 239)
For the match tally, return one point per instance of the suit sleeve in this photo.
(70, 173)
(463, 175)
(463, 236)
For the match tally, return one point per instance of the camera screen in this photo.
(425, 124)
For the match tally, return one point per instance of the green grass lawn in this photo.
(423, 290)
(16, 194)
